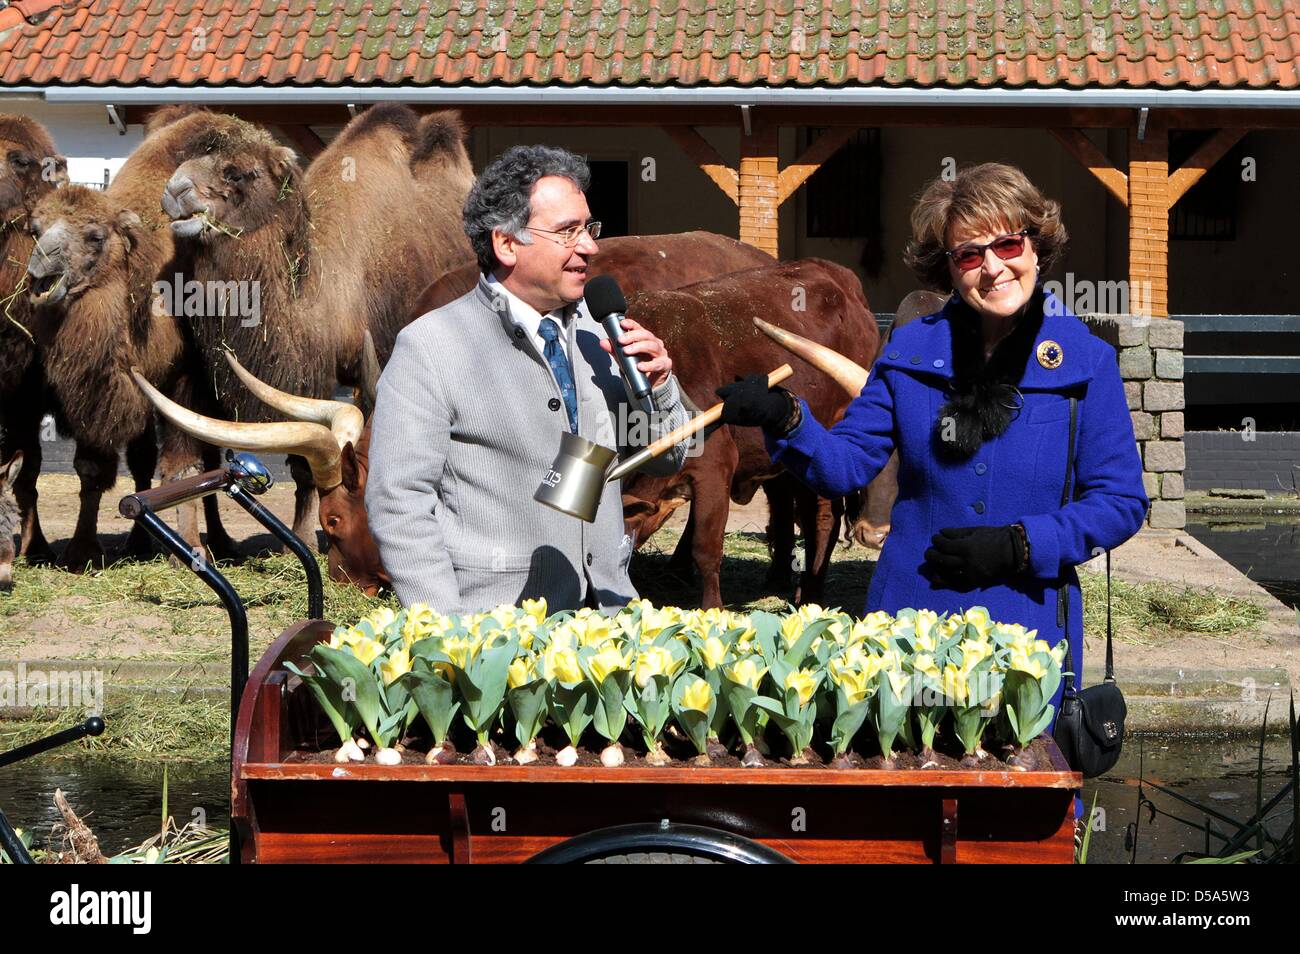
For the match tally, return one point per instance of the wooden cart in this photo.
(293, 811)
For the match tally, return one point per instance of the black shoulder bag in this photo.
(1090, 726)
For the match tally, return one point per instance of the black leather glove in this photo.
(751, 403)
(964, 558)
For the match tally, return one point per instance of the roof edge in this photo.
(1131, 97)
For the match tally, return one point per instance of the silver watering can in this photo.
(575, 481)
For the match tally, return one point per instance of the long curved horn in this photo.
(370, 370)
(344, 421)
(313, 441)
(847, 373)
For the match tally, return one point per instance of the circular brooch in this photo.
(1050, 355)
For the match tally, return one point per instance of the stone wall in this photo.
(1151, 364)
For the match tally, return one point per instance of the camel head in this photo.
(83, 241)
(238, 180)
(8, 519)
(29, 167)
(332, 437)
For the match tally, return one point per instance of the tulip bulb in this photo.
(567, 756)
(388, 757)
(526, 754)
(349, 751)
(443, 754)
(612, 755)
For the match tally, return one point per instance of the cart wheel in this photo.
(662, 844)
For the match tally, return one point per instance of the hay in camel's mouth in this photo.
(48, 288)
(201, 222)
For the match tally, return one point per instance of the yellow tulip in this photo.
(746, 672)
(561, 665)
(346, 637)
(461, 649)
(803, 681)
(397, 664)
(924, 664)
(712, 652)
(1057, 652)
(978, 617)
(855, 682)
(563, 636)
(1021, 662)
(810, 611)
(522, 671)
(610, 659)
(367, 650)
(955, 688)
(380, 619)
(900, 681)
(595, 630)
(973, 653)
(791, 627)
(697, 695)
(535, 609)
(654, 661)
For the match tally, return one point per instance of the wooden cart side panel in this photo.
(410, 821)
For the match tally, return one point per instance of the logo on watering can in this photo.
(553, 478)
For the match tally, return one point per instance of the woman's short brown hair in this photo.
(992, 197)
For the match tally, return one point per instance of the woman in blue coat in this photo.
(975, 399)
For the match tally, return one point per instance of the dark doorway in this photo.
(607, 197)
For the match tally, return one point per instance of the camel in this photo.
(328, 254)
(30, 167)
(93, 271)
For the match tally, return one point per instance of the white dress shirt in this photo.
(532, 319)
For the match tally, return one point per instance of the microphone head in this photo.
(604, 297)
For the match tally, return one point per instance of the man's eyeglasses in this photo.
(968, 257)
(571, 236)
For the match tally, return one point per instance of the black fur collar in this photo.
(979, 394)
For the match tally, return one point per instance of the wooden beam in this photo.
(1148, 220)
(797, 173)
(706, 157)
(308, 144)
(757, 193)
(1201, 161)
(1095, 161)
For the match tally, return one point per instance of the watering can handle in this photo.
(695, 424)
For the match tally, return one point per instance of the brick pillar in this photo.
(1148, 218)
(758, 190)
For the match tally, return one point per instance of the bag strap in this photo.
(1063, 594)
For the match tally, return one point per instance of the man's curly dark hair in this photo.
(499, 199)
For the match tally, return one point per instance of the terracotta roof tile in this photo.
(1143, 43)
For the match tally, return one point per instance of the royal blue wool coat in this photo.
(1017, 476)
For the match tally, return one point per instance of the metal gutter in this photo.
(1135, 98)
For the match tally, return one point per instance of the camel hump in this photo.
(166, 115)
(25, 130)
(396, 116)
(438, 132)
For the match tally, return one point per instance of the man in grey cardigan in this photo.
(471, 406)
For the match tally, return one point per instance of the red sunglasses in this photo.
(968, 257)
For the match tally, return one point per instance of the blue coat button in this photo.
(979, 506)
(893, 354)
(938, 362)
(916, 359)
(980, 468)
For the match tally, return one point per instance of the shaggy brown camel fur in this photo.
(97, 268)
(327, 255)
(30, 167)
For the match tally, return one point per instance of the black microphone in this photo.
(607, 305)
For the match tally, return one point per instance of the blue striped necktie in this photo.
(559, 363)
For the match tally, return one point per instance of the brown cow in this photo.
(648, 261)
(708, 328)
